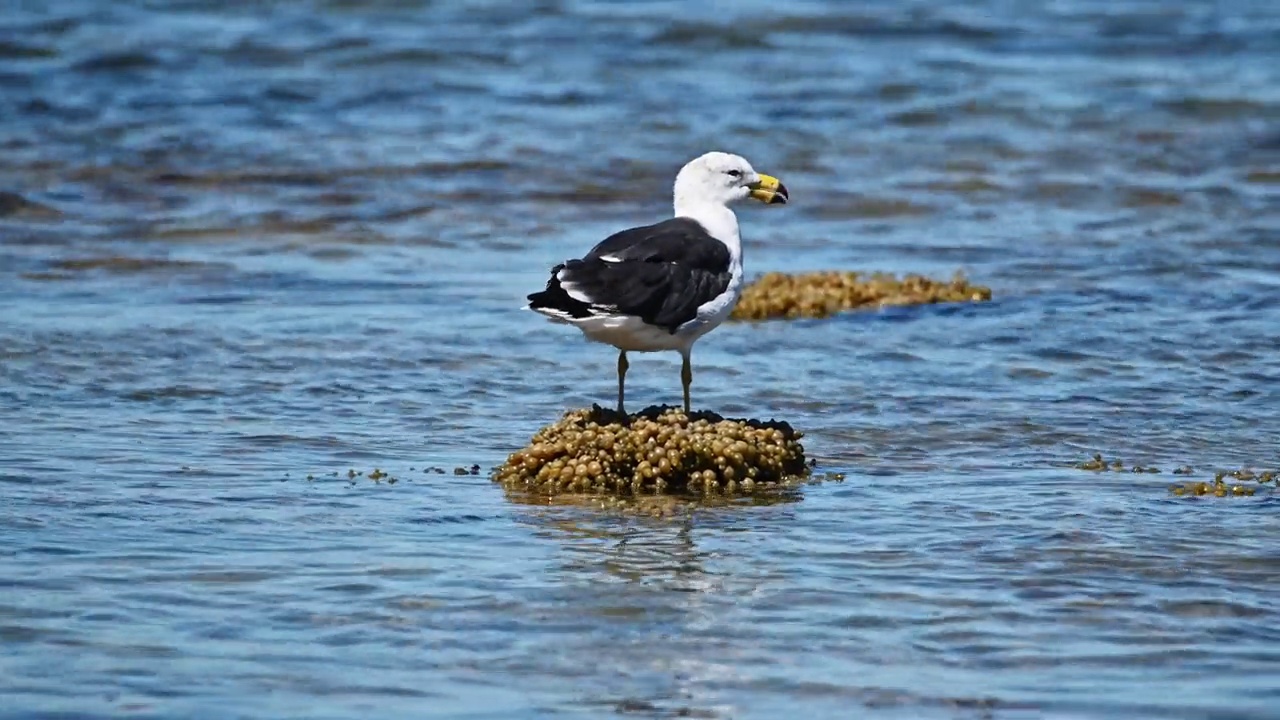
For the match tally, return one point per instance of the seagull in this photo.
(661, 287)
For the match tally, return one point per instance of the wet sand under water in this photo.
(257, 263)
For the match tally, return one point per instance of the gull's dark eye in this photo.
(734, 173)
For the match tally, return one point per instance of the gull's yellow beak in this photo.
(769, 190)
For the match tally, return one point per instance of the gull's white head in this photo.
(721, 178)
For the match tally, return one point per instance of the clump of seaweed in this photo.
(825, 293)
(1263, 476)
(659, 450)
(1099, 464)
(1218, 487)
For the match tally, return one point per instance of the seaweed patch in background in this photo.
(826, 293)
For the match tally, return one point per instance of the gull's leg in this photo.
(686, 376)
(622, 375)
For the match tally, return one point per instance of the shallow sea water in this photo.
(321, 219)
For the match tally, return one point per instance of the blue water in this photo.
(323, 217)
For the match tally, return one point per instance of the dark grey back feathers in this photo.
(660, 273)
